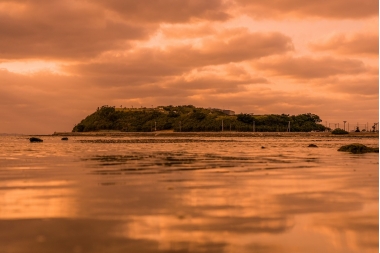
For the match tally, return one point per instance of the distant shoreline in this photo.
(212, 134)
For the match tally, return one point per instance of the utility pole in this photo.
(344, 128)
(288, 126)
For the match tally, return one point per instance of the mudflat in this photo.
(188, 192)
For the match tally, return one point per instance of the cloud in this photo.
(360, 43)
(168, 11)
(43, 103)
(307, 67)
(63, 29)
(186, 31)
(213, 84)
(355, 86)
(206, 53)
(152, 64)
(337, 9)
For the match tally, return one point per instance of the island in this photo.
(188, 118)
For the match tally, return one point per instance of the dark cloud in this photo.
(169, 11)
(150, 64)
(337, 9)
(64, 30)
(214, 84)
(187, 31)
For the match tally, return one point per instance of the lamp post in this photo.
(344, 125)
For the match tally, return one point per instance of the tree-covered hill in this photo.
(188, 118)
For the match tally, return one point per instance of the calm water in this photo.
(187, 194)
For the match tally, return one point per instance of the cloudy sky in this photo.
(61, 59)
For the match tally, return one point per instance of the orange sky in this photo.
(60, 60)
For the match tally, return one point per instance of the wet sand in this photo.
(188, 192)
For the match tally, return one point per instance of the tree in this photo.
(245, 118)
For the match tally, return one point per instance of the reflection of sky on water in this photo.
(188, 196)
(31, 199)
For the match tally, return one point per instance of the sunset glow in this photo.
(60, 60)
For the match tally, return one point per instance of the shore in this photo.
(216, 134)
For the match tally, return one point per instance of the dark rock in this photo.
(262, 147)
(312, 146)
(357, 148)
(35, 139)
(65, 139)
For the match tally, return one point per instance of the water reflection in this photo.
(150, 195)
(34, 199)
(164, 162)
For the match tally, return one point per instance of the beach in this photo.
(188, 192)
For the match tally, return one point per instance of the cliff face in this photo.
(189, 118)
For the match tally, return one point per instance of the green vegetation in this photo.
(188, 118)
(339, 131)
(357, 148)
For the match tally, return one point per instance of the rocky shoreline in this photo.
(215, 134)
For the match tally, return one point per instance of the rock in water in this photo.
(357, 148)
(35, 139)
(65, 139)
(312, 146)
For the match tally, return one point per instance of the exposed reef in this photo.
(357, 148)
(35, 139)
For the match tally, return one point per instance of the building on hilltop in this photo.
(227, 112)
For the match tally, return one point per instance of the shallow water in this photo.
(187, 194)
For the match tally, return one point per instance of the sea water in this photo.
(188, 193)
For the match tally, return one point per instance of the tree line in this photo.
(188, 118)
